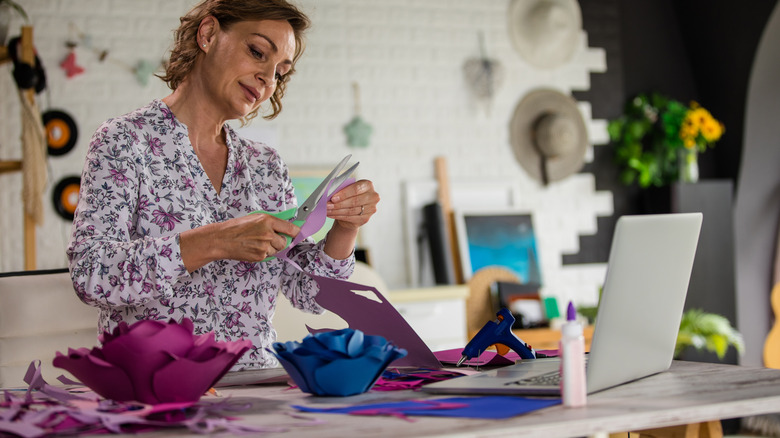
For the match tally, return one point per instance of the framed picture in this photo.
(498, 238)
(305, 181)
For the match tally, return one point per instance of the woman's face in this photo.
(243, 64)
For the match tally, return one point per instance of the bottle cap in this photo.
(572, 328)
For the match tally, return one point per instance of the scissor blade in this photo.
(343, 177)
(308, 205)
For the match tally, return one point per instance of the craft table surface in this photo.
(689, 392)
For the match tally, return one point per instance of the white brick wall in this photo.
(407, 57)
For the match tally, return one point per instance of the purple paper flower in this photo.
(153, 362)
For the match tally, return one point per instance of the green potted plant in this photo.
(657, 140)
(707, 331)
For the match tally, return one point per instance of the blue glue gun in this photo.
(498, 333)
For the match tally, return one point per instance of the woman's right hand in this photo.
(249, 238)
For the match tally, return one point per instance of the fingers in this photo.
(256, 236)
(276, 235)
(355, 204)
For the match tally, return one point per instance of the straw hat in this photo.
(548, 135)
(545, 32)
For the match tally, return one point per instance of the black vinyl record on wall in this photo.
(61, 132)
(66, 196)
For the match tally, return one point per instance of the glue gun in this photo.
(497, 332)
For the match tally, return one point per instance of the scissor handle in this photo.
(284, 215)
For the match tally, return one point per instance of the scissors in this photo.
(299, 215)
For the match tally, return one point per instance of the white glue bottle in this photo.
(572, 352)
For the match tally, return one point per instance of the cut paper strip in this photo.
(43, 411)
(486, 358)
(492, 407)
(396, 380)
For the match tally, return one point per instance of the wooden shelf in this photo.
(547, 339)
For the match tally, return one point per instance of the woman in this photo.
(163, 229)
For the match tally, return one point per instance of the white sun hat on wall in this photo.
(545, 32)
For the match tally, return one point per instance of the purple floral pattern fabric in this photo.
(141, 186)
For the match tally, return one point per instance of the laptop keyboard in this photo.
(553, 378)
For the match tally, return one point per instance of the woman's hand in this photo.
(351, 207)
(354, 205)
(249, 238)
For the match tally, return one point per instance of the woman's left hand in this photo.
(354, 205)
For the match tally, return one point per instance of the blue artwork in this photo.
(503, 239)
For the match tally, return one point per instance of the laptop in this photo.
(639, 313)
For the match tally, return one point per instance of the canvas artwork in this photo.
(498, 238)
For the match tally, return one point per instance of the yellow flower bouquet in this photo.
(657, 140)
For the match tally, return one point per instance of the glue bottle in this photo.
(572, 352)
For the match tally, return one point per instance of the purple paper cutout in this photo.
(360, 313)
(153, 362)
(396, 380)
(373, 318)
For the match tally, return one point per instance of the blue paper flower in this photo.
(337, 363)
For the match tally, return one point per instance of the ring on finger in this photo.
(362, 209)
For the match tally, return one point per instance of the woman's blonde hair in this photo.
(186, 50)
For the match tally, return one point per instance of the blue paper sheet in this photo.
(491, 407)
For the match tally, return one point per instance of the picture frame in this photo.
(503, 238)
(465, 195)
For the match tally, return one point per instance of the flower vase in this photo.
(689, 165)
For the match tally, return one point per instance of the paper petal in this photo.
(355, 345)
(102, 377)
(150, 335)
(297, 374)
(346, 377)
(139, 366)
(185, 380)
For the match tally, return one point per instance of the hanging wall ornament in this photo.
(483, 76)
(143, 71)
(69, 65)
(61, 132)
(358, 130)
(66, 196)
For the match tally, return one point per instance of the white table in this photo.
(689, 392)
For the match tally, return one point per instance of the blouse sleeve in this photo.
(110, 265)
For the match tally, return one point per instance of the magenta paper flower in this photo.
(153, 362)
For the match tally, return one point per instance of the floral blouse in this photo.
(142, 184)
